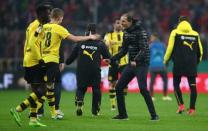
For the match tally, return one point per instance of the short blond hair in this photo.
(57, 13)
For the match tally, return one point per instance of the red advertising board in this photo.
(201, 80)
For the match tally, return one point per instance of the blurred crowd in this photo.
(157, 15)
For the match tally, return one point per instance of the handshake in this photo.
(111, 62)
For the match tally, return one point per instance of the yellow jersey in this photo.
(31, 48)
(114, 41)
(51, 41)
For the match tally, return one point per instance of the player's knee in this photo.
(50, 85)
(193, 88)
(119, 90)
(38, 90)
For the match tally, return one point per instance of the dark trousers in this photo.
(127, 75)
(96, 95)
(163, 74)
(178, 93)
(57, 94)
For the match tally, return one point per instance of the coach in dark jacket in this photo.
(135, 43)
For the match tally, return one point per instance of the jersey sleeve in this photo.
(63, 32)
(73, 55)
(104, 51)
(106, 40)
(169, 50)
(26, 40)
(200, 49)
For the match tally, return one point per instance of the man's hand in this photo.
(133, 63)
(61, 67)
(94, 37)
(41, 63)
(38, 30)
(107, 61)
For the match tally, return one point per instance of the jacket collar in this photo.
(135, 26)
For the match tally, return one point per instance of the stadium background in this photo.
(159, 16)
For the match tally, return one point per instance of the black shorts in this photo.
(51, 71)
(114, 72)
(34, 74)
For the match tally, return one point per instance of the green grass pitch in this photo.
(137, 111)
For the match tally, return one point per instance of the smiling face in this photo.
(125, 22)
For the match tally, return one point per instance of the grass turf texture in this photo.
(137, 111)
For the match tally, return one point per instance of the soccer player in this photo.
(57, 86)
(135, 43)
(50, 40)
(114, 42)
(157, 67)
(88, 70)
(185, 49)
(33, 74)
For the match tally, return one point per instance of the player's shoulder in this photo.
(54, 26)
(195, 33)
(108, 33)
(33, 24)
(174, 32)
(100, 43)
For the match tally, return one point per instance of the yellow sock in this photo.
(24, 104)
(53, 110)
(19, 108)
(33, 119)
(112, 97)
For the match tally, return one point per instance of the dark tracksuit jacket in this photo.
(185, 49)
(135, 42)
(89, 59)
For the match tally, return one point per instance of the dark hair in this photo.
(129, 17)
(57, 13)
(91, 27)
(43, 11)
(155, 34)
(115, 19)
(182, 18)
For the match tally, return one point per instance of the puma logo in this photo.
(189, 45)
(88, 54)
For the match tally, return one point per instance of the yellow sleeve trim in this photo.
(169, 50)
(200, 48)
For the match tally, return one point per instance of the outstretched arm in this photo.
(73, 55)
(82, 38)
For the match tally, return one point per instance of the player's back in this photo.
(90, 53)
(30, 56)
(53, 35)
